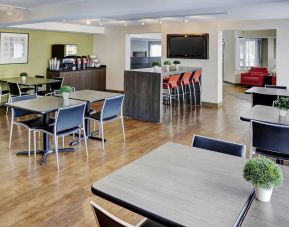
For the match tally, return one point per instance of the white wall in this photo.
(229, 57)
(282, 44)
(212, 84)
(111, 47)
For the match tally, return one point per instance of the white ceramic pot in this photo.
(65, 95)
(167, 68)
(156, 68)
(23, 78)
(282, 113)
(263, 195)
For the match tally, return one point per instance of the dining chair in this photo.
(270, 140)
(53, 87)
(31, 124)
(263, 99)
(41, 86)
(171, 88)
(14, 91)
(112, 109)
(221, 146)
(275, 86)
(67, 121)
(105, 219)
(184, 83)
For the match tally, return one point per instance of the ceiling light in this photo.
(160, 21)
(101, 22)
(9, 12)
(142, 23)
(186, 20)
(125, 23)
(88, 21)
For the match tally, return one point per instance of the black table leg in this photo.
(36, 89)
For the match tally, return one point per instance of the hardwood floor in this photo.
(34, 195)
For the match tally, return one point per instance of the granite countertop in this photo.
(163, 72)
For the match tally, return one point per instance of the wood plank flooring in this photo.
(34, 195)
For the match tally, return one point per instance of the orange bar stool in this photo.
(171, 89)
(196, 79)
(184, 83)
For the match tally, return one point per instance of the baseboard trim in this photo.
(212, 104)
(115, 91)
(227, 82)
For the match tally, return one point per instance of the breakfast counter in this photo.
(143, 90)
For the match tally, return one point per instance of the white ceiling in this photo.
(116, 11)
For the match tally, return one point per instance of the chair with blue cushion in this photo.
(221, 146)
(67, 121)
(111, 110)
(31, 124)
(270, 140)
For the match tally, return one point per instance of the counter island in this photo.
(143, 90)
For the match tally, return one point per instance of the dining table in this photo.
(267, 91)
(90, 96)
(267, 114)
(273, 213)
(44, 106)
(29, 81)
(179, 185)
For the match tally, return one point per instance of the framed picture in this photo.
(14, 48)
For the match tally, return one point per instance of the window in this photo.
(248, 53)
(155, 50)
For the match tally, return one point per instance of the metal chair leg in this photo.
(34, 143)
(102, 135)
(122, 125)
(11, 131)
(56, 150)
(63, 142)
(85, 140)
(29, 141)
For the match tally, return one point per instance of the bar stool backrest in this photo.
(16, 112)
(14, 89)
(197, 76)
(173, 81)
(69, 118)
(186, 78)
(112, 107)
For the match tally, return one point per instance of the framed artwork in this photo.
(14, 48)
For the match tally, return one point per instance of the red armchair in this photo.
(255, 77)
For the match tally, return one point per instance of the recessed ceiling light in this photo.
(88, 21)
(160, 21)
(142, 23)
(101, 22)
(186, 20)
(125, 23)
(9, 12)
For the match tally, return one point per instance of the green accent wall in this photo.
(40, 50)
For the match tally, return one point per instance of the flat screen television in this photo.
(188, 46)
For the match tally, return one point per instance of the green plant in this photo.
(282, 103)
(176, 62)
(167, 63)
(156, 63)
(263, 173)
(65, 89)
(23, 74)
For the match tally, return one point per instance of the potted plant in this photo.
(156, 65)
(264, 175)
(283, 105)
(167, 65)
(177, 63)
(23, 76)
(65, 90)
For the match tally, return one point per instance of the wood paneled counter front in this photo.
(86, 79)
(143, 90)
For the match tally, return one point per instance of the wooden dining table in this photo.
(178, 185)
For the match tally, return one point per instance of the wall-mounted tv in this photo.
(189, 46)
